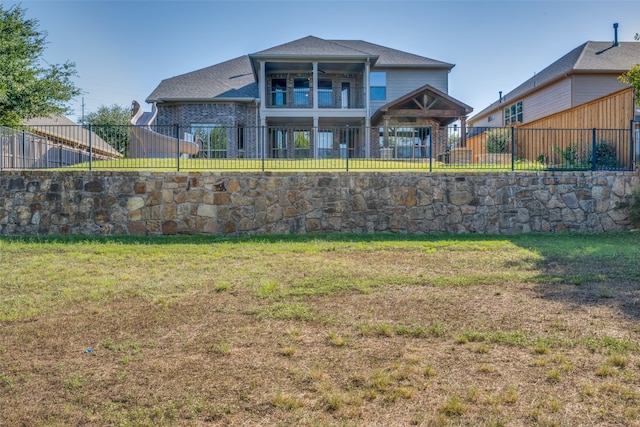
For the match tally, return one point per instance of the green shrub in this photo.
(581, 155)
(606, 155)
(498, 141)
(574, 155)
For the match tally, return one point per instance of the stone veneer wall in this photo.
(146, 203)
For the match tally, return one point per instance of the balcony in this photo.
(346, 97)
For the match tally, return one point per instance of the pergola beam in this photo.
(421, 113)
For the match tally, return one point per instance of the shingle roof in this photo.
(311, 46)
(236, 79)
(393, 57)
(64, 130)
(590, 57)
(229, 79)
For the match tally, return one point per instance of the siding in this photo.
(546, 101)
(586, 88)
(613, 111)
(401, 82)
(549, 100)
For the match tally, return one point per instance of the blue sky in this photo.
(123, 49)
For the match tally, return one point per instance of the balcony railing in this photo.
(330, 98)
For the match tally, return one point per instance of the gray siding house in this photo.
(311, 98)
(586, 73)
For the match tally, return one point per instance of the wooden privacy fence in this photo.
(595, 130)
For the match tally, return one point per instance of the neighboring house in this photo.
(62, 131)
(312, 98)
(47, 142)
(587, 73)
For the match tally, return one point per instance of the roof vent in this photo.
(615, 40)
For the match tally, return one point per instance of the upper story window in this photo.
(378, 84)
(279, 92)
(325, 93)
(513, 113)
(301, 91)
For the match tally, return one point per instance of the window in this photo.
(212, 139)
(301, 91)
(325, 93)
(513, 114)
(378, 83)
(301, 143)
(240, 141)
(279, 141)
(491, 118)
(279, 92)
(325, 144)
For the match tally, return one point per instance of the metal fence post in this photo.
(90, 150)
(513, 148)
(178, 142)
(631, 145)
(2, 136)
(593, 149)
(262, 145)
(347, 140)
(430, 148)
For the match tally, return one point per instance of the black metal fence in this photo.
(350, 148)
(22, 149)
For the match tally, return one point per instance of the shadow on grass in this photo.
(588, 270)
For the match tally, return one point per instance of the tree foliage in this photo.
(29, 87)
(114, 115)
(632, 78)
(111, 124)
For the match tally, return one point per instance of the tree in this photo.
(29, 87)
(632, 78)
(111, 124)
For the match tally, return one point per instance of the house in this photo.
(313, 98)
(64, 132)
(45, 142)
(587, 73)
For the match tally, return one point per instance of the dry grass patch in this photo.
(321, 330)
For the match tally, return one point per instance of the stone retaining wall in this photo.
(145, 203)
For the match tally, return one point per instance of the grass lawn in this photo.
(321, 330)
(300, 165)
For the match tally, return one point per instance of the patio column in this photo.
(463, 131)
(315, 86)
(386, 132)
(262, 88)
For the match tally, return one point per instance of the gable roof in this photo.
(311, 46)
(237, 78)
(65, 131)
(428, 102)
(590, 57)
